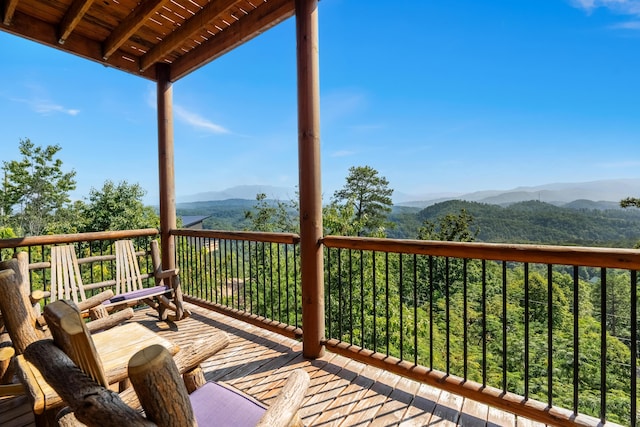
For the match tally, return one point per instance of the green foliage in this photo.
(371, 197)
(450, 227)
(118, 207)
(36, 189)
(535, 222)
(273, 216)
(630, 201)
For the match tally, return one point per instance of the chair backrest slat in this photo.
(128, 277)
(66, 281)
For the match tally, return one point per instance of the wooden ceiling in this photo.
(134, 35)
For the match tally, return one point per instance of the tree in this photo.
(36, 187)
(118, 207)
(628, 202)
(371, 196)
(450, 228)
(279, 217)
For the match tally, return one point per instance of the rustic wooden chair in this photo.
(21, 322)
(129, 288)
(166, 401)
(104, 356)
(76, 354)
(67, 284)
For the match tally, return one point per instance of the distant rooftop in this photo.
(191, 220)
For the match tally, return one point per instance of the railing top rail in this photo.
(54, 239)
(254, 236)
(561, 255)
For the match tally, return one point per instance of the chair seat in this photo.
(216, 405)
(137, 295)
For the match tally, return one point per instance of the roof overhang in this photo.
(134, 36)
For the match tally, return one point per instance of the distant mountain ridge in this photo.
(245, 192)
(559, 194)
(556, 193)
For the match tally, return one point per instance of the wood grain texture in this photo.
(160, 388)
(17, 312)
(92, 404)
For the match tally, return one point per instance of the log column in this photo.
(312, 263)
(166, 170)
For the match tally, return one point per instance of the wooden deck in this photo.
(342, 393)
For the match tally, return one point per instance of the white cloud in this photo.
(625, 7)
(47, 107)
(40, 102)
(198, 121)
(630, 25)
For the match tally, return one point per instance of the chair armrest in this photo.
(285, 409)
(193, 354)
(110, 321)
(37, 295)
(95, 300)
(164, 274)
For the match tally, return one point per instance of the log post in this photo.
(174, 281)
(6, 371)
(194, 379)
(166, 170)
(311, 256)
(160, 388)
(98, 312)
(18, 314)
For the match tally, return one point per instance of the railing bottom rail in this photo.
(491, 396)
(259, 321)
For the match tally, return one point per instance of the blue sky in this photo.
(438, 96)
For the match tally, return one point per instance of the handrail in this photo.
(55, 239)
(564, 255)
(284, 238)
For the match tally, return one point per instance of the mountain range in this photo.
(602, 191)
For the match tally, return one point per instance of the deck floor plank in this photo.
(422, 407)
(343, 392)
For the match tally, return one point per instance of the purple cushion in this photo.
(139, 294)
(216, 405)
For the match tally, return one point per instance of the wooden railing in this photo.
(547, 332)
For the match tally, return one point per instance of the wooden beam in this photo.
(266, 16)
(166, 172)
(208, 13)
(311, 252)
(72, 18)
(42, 32)
(9, 9)
(129, 26)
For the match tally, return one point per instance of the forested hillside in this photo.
(524, 222)
(531, 222)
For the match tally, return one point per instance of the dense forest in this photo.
(523, 222)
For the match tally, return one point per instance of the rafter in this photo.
(9, 9)
(47, 34)
(208, 13)
(130, 25)
(258, 21)
(72, 18)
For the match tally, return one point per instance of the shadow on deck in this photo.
(343, 392)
